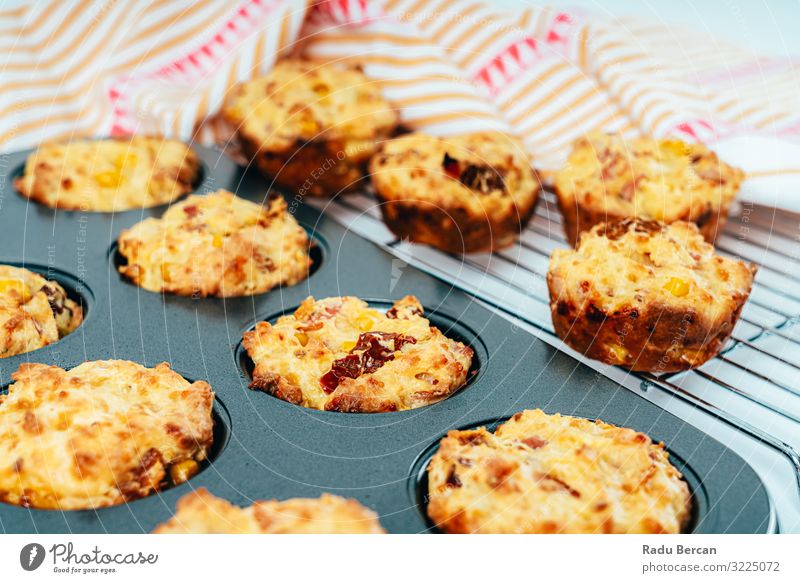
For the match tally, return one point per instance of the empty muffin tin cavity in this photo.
(448, 325)
(418, 484)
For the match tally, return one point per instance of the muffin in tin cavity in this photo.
(100, 434)
(201, 512)
(608, 178)
(461, 194)
(216, 245)
(109, 175)
(540, 473)
(646, 296)
(311, 127)
(34, 312)
(339, 354)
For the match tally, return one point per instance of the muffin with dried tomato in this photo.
(646, 296)
(216, 245)
(311, 127)
(608, 178)
(461, 194)
(554, 474)
(200, 512)
(109, 175)
(100, 434)
(339, 354)
(34, 311)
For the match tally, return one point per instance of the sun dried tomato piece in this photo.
(375, 348)
(191, 211)
(451, 166)
(484, 179)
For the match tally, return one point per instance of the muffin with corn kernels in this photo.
(311, 127)
(608, 178)
(216, 245)
(109, 175)
(646, 296)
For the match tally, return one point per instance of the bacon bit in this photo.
(403, 312)
(535, 442)
(451, 166)
(191, 211)
(452, 480)
(551, 483)
(484, 179)
(374, 354)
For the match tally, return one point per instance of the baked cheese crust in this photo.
(109, 175)
(542, 473)
(608, 178)
(311, 127)
(646, 296)
(216, 245)
(203, 513)
(461, 194)
(100, 434)
(338, 354)
(34, 312)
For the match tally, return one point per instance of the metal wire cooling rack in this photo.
(753, 385)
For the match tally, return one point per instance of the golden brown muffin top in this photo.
(34, 312)
(486, 173)
(203, 513)
(109, 175)
(216, 245)
(540, 473)
(100, 434)
(663, 180)
(632, 261)
(300, 101)
(339, 354)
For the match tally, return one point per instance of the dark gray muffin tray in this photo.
(266, 448)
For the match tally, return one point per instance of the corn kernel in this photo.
(125, 160)
(365, 323)
(677, 287)
(16, 285)
(675, 147)
(217, 242)
(302, 338)
(108, 179)
(348, 346)
(618, 352)
(182, 471)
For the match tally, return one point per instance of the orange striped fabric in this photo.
(450, 66)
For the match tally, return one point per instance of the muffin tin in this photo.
(267, 448)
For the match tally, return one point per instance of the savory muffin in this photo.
(338, 354)
(103, 433)
(216, 245)
(646, 296)
(309, 126)
(540, 473)
(200, 512)
(109, 175)
(608, 178)
(34, 312)
(461, 194)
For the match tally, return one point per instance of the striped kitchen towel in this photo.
(450, 66)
